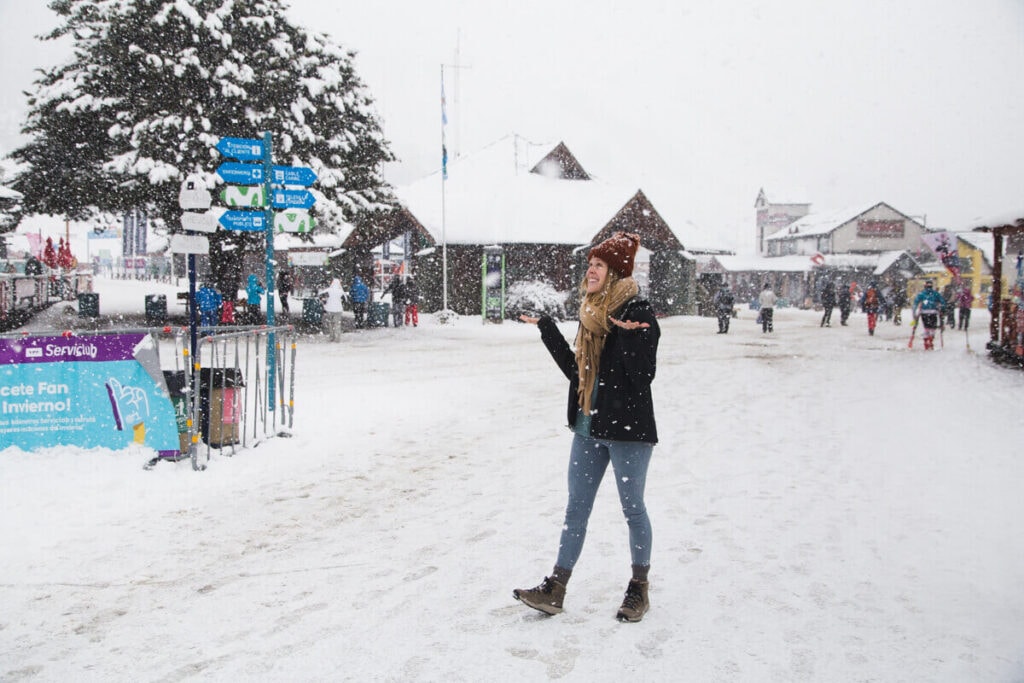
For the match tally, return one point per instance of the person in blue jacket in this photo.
(360, 294)
(254, 296)
(208, 301)
(928, 305)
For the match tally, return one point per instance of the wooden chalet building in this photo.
(1006, 331)
(543, 212)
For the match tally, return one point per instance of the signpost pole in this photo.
(268, 213)
(192, 317)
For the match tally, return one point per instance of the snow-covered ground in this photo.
(827, 506)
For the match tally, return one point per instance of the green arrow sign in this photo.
(252, 197)
(294, 221)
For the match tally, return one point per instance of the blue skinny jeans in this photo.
(588, 461)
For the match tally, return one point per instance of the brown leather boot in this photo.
(547, 597)
(635, 604)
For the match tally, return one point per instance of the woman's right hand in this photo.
(527, 319)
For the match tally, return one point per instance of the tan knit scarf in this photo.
(594, 327)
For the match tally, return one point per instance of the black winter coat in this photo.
(624, 410)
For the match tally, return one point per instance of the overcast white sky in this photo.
(917, 103)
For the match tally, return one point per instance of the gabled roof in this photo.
(560, 163)
(825, 222)
(763, 200)
(879, 262)
(494, 197)
(981, 241)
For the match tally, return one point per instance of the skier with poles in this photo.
(928, 305)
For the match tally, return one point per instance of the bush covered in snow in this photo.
(536, 297)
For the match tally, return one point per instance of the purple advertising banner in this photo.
(78, 349)
(86, 391)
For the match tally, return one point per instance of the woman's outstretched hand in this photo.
(628, 324)
(527, 319)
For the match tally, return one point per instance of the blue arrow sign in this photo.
(244, 149)
(292, 199)
(243, 174)
(293, 175)
(248, 221)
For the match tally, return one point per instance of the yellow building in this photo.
(975, 252)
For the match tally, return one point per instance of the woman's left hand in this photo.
(628, 324)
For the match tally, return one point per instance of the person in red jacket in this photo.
(871, 303)
(611, 412)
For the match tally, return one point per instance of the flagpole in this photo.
(444, 179)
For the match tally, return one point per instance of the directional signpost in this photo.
(254, 197)
(293, 175)
(258, 181)
(294, 221)
(243, 174)
(243, 149)
(244, 221)
(292, 199)
(199, 222)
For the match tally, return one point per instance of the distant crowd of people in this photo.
(216, 309)
(934, 310)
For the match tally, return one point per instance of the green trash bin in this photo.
(312, 312)
(88, 305)
(378, 315)
(156, 309)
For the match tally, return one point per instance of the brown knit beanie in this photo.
(618, 251)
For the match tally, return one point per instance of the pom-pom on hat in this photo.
(619, 252)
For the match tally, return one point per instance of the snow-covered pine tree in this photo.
(154, 84)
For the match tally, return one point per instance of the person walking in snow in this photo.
(333, 297)
(828, 302)
(208, 301)
(871, 303)
(843, 293)
(254, 295)
(899, 300)
(285, 284)
(928, 309)
(767, 301)
(360, 294)
(964, 301)
(397, 290)
(949, 305)
(412, 297)
(611, 412)
(723, 302)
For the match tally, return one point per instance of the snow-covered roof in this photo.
(787, 196)
(820, 223)
(778, 264)
(998, 220)
(982, 241)
(801, 263)
(491, 197)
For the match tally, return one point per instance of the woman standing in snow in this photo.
(611, 412)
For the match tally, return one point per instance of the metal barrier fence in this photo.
(236, 392)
